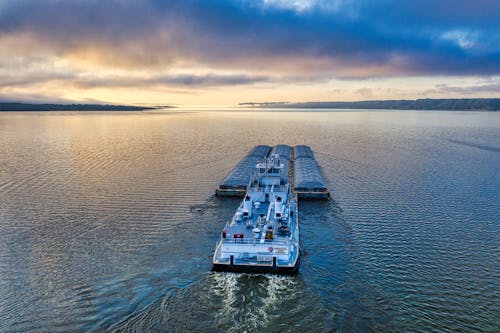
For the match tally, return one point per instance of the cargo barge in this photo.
(306, 177)
(236, 182)
(308, 182)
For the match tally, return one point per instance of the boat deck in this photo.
(263, 234)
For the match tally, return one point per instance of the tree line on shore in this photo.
(459, 104)
(68, 107)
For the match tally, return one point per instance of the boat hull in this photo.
(313, 194)
(262, 269)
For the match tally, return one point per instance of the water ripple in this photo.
(108, 223)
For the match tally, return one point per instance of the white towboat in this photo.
(263, 235)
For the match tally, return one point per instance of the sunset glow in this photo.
(227, 52)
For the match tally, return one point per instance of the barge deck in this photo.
(300, 168)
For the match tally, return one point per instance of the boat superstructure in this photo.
(263, 234)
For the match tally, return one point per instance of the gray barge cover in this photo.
(284, 152)
(302, 151)
(308, 180)
(237, 180)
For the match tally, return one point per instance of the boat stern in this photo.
(250, 259)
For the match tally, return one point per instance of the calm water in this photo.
(108, 223)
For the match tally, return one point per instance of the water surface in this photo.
(108, 222)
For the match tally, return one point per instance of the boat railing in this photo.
(254, 242)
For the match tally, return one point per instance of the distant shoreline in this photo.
(461, 104)
(6, 106)
(464, 104)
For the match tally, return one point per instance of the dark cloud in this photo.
(401, 37)
(208, 80)
(181, 80)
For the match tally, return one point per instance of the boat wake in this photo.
(249, 301)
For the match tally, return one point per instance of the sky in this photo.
(225, 52)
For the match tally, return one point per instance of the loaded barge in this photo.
(263, 234)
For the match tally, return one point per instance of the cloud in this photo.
(89, 48)
(464, 39)
(30, 78)
(383, 38)
(307, 5)
(464, 90)
(209, 79)
(168, 80)
(34, 98)
(365, 92)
